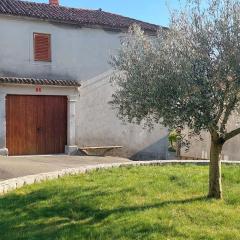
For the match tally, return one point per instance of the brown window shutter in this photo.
(42, 47)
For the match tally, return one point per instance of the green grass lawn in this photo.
(162, 202)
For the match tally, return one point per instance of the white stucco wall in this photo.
(77, 53)
(81, 54)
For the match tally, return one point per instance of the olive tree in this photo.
(187, 75)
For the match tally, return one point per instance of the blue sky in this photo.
(153, 11)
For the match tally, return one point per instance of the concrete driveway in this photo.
(12, 167)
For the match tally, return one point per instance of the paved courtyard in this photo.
(12, 167)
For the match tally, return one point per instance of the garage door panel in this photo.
(36, 124)
(55, 133)
(16, 117)
(28, 143)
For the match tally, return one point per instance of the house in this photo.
(54, 82)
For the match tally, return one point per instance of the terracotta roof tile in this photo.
(81, 17)
(33, 81)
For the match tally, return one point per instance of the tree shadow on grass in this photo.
(38, 215)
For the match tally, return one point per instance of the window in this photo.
(42, 47)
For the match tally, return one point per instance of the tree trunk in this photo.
(178, 148)
(215, 182)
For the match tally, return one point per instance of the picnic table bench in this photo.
(98, 151)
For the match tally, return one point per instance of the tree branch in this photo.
(232, 134)
(227, 114)
(221, 109)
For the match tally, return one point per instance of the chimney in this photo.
(54, 2)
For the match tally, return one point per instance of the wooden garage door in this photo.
(36, 124)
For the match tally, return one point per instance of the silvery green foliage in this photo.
(188, 75)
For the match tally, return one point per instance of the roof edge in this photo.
(36, 81)
(72, 16)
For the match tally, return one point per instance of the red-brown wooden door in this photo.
(36, 124)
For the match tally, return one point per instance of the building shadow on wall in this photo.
(155, 151)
